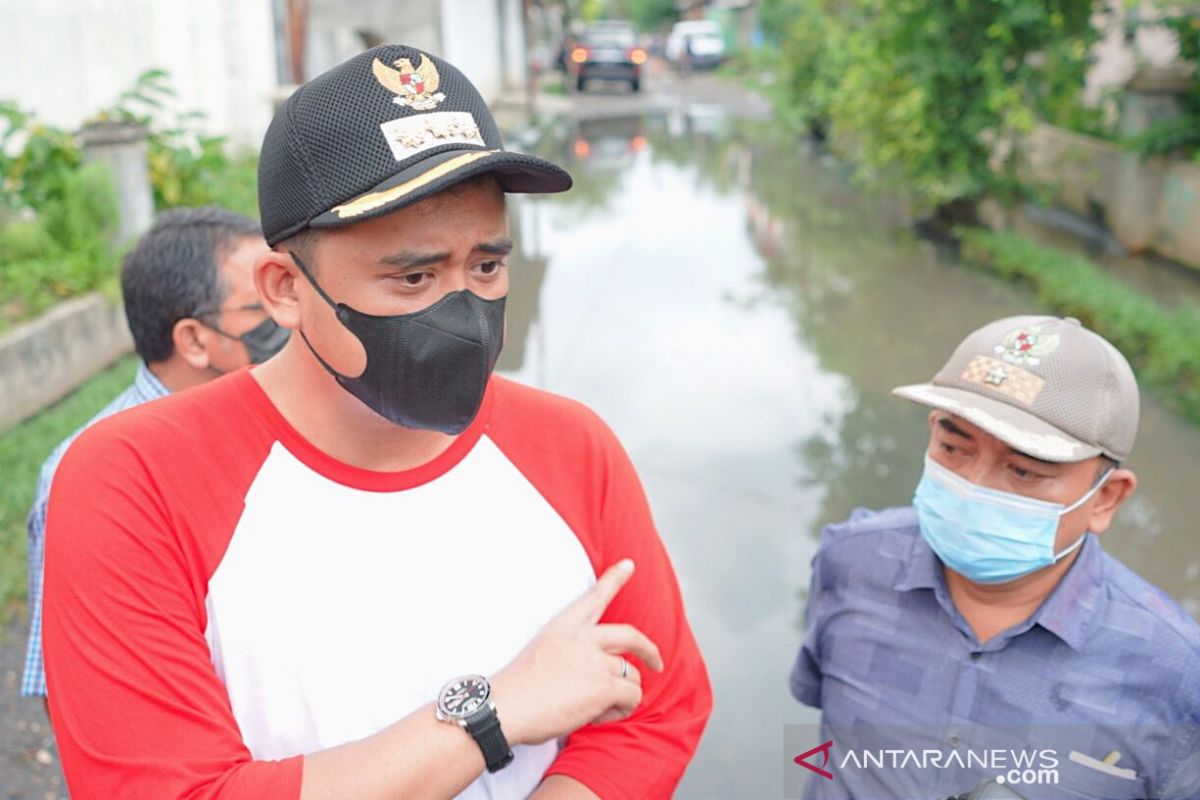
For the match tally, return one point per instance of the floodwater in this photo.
(738, 311)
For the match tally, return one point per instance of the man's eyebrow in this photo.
(946, 424)
(406, 259)
(497, 247)
(1014, 451)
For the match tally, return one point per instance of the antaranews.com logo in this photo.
(886, 761)
(1028, 767)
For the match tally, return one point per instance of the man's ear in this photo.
(1109, 497)
(275, 276)
(191, 342)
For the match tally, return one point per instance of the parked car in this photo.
(696, 44)
(607, 50)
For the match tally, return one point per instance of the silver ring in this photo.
(624, 668)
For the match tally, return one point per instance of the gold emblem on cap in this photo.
(414, 87)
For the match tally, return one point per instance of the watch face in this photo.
(462, 697)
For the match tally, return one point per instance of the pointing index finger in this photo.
(606, 588)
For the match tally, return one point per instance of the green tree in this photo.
(806, 48)
(933, 94)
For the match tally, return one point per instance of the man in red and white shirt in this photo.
(368, 568)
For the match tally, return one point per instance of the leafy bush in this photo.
(61, 217)
(1162, 345)
(187, 166)
(806, 50)
(58, 215)
(931, 94)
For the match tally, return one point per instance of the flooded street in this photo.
(738, 312)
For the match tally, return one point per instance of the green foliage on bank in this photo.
(58, 215)
(928, 94)
(1162, 344)
(22, 451)
(64, 247)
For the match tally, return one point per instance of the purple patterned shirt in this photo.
(1108, 664)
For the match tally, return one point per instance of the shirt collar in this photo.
(1067, 613)
(921, 570)
(147, 384)
(1074, 604)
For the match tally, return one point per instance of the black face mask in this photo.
(262, 341)
(427, 369)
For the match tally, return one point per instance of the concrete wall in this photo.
(471, 31)
(483, 38)
(1148, 204)
(337, 27)
(43, 360)
(66, 59)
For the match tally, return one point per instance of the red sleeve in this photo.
(136, 705)
(582, 470)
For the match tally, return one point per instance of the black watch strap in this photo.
(484, 727)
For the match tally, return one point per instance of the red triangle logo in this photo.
(823, 749)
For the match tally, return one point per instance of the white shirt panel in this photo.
(336, 611)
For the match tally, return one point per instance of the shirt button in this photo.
(976, 656)
(954, 740)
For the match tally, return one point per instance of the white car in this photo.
(696, 43)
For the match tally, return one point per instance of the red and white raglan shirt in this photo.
(222, 597)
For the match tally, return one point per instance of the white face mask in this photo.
(986, 535)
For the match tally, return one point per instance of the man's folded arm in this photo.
(643, 756)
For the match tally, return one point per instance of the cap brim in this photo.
(1019, 429)
(516, 172)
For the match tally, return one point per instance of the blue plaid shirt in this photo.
(1107, 663)
(145, 387)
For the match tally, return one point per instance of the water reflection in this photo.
(738, 313)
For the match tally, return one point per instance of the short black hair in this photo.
(304, 245)
(172, 273)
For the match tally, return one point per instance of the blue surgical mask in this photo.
(986, 535)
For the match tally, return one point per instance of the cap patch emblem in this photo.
(1026, 346)
(414, 87)
(408, 136)
(1019, 384)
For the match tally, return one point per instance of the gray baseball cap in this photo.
(1045, 386)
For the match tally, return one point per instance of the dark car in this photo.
(609, 51)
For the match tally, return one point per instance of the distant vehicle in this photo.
(607, 50)
(696, 44)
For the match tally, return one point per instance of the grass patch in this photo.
(22, 451)
(1162, 344)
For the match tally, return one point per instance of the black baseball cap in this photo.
(389, 127)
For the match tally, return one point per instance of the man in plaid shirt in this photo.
(194, 315)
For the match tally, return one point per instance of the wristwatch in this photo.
(467, 702)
